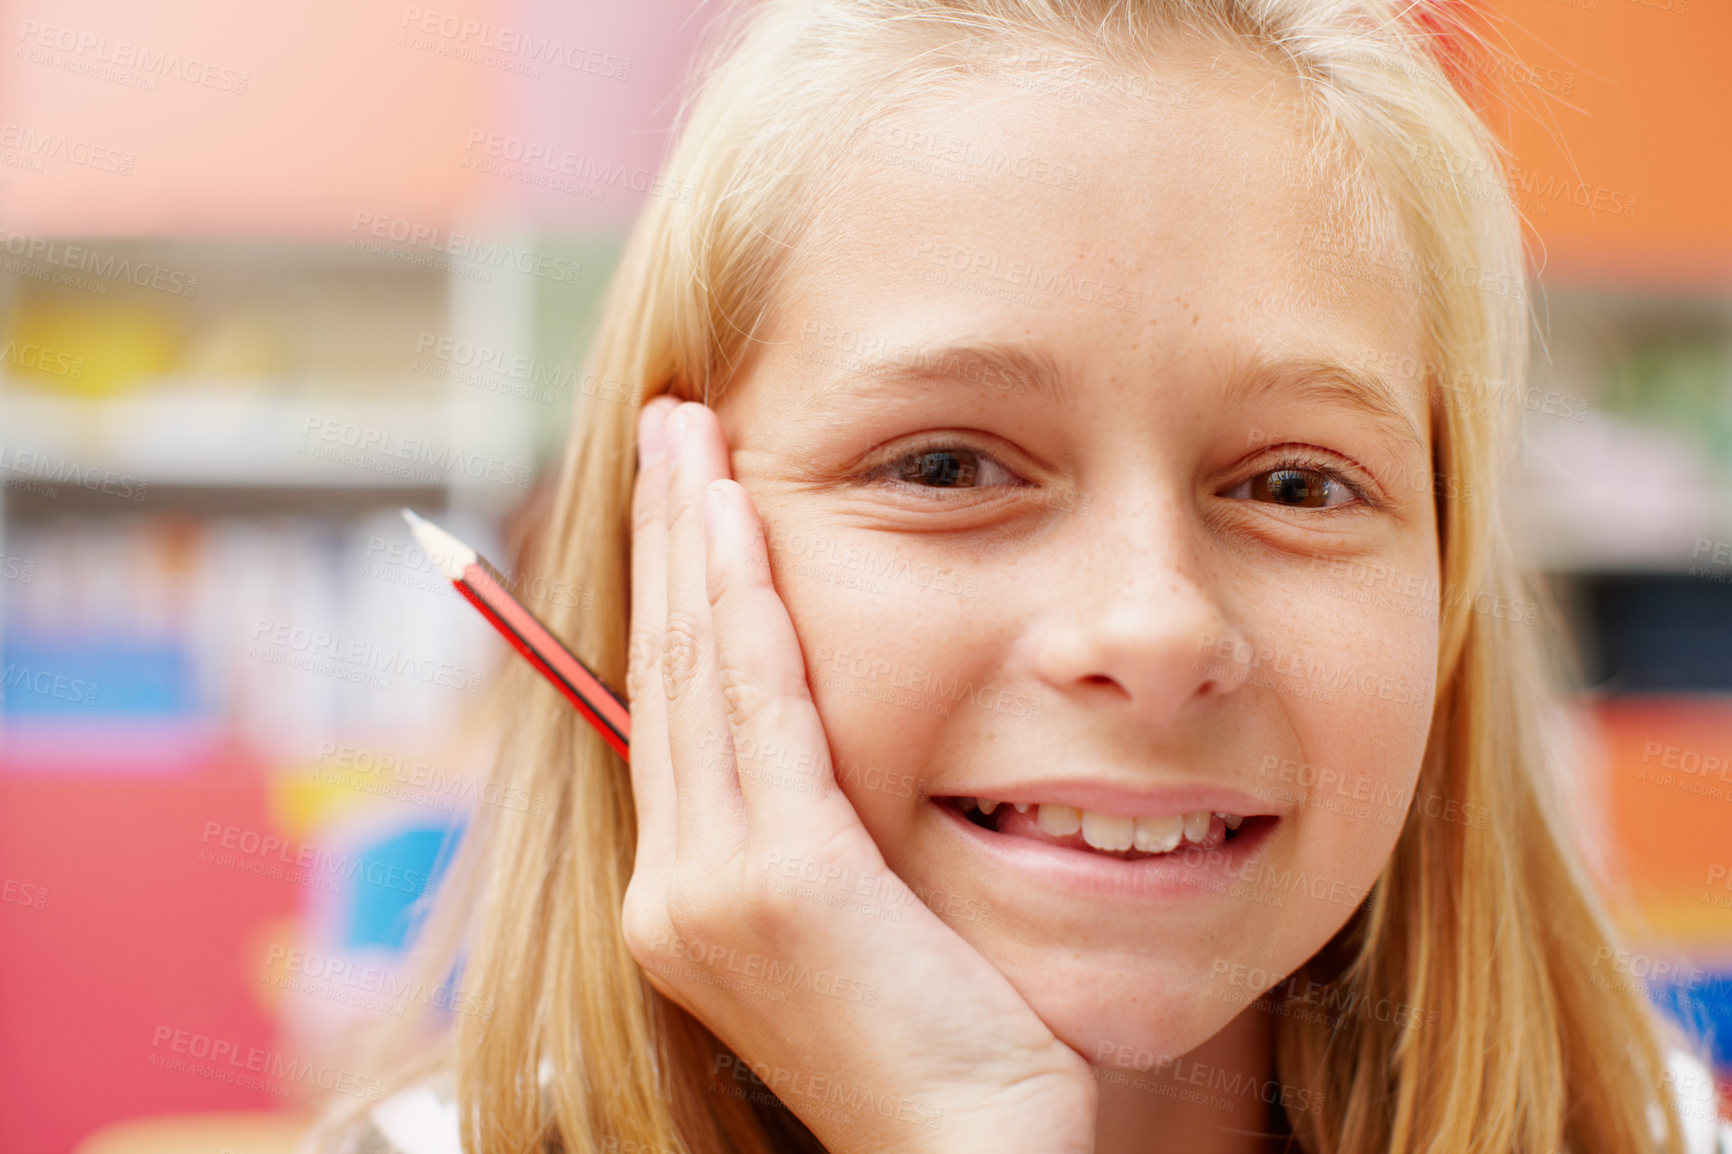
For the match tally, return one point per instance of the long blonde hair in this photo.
(1492, 926)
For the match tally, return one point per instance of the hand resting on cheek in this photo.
(825, 1002)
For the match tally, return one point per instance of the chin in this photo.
(1131, 1016)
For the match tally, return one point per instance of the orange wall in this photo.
(256, 120)
(1629, 104)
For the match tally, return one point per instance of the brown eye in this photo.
(1302, 488)
(1298, 484)
(939, 468)
(935, 467)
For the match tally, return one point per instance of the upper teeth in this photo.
(1112, 832)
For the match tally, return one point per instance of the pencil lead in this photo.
(449, 555)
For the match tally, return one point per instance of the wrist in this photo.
(1047, 1114)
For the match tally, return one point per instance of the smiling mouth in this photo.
(1126, 838)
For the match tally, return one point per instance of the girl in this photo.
(1082, 694)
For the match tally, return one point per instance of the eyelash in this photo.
(885, 473)
(1303, 462)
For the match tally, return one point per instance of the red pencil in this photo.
(485, 588)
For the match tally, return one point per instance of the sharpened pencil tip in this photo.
(449, 555)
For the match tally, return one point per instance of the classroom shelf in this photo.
(205, 432)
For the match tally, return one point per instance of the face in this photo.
(1099, 566)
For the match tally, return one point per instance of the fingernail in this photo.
(712, 511)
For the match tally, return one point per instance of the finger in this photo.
(763, 676)
(652, 780)
(711, 812)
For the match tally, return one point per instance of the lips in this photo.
(1017, 863)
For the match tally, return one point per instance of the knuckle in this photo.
(753, 704)
(746, 701)
(643, 923)
(771, 912)
(643, 661)
(680, 654)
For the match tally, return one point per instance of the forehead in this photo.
(1194, 216)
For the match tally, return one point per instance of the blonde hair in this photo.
(1491, 928)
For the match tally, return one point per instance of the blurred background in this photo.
(267, 276)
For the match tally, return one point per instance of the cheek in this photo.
(884, 670)
(1354, 676)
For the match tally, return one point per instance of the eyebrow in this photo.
(1000, 364)
(1371, 395)
(1303, 378)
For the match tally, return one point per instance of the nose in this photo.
(1140, 622)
